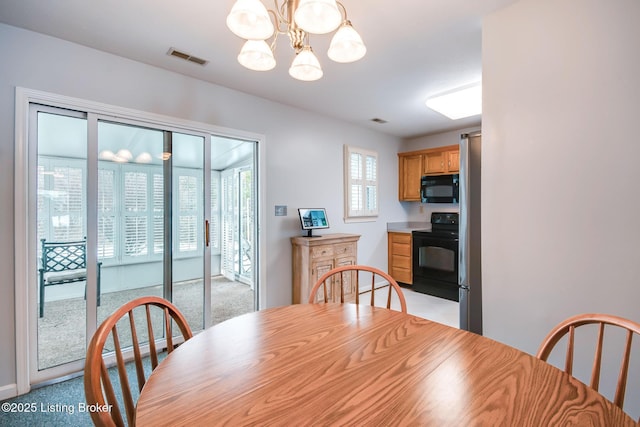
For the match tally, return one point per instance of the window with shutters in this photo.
(361, 184)
(61, 194)
(130, 208)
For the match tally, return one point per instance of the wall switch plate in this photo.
(281, 210)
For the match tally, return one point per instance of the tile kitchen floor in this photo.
(426, 306)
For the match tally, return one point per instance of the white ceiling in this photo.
(415, 49)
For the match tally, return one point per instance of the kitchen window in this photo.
(361, 184)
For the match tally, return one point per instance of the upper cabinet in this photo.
(409, 179)
(415, 164)
(453, 160)
(442, 162)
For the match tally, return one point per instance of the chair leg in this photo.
(41, 295)
(99, 268)
(98, 297)
(98, 286)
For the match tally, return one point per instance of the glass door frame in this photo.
(25, 263)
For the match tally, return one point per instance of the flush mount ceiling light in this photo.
(459, 103)
(251, 20)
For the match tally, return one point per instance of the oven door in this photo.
(435, 265)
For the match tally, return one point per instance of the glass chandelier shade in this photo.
(305, 66)
(250, 20)
(257, 55)
(346, 45)
(123, 155)
(318, 16)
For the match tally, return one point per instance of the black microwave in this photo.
(439, 189)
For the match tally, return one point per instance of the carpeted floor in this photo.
(62, 335)
(62, 404)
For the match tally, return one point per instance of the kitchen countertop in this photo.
(407, 227)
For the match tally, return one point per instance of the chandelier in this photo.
(250, 20)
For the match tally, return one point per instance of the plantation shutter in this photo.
(43, 205)
(106, 214)
(371, 184)
(214, 228)
(356, 183)
(229, 215)
(67, 217)
(187, 213)
(158, 213)
(135, 214)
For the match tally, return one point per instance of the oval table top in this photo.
(342, 364)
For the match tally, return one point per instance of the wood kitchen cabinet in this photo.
(453, 158)
(415, 164)
(400, 257)
(442, 162)
(434, 163)
(410, 173)
(314, 256)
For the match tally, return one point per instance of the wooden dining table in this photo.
(346, 364)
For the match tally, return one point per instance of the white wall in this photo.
(303, 154)
(560, 175)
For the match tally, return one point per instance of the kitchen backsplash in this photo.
(422, 211)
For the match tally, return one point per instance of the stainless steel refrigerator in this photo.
(469, 268)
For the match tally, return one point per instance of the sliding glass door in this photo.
(189, 272)
(59, 238)
(151, 217)
(130, 209)
(124, 210)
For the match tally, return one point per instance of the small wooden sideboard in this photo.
(314, 256)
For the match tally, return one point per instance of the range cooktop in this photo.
(443, 224)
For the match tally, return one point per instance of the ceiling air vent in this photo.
(186, 57)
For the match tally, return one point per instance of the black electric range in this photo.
(435, 257)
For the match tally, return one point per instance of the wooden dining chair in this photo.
(569, 326)
(346, 280)
(155, 335)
